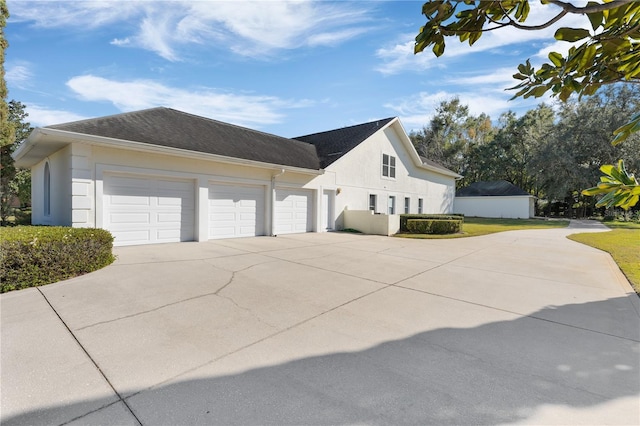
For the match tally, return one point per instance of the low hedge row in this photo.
(405, 217)
(36, 255)
(434, 226)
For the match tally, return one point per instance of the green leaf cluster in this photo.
(609, 52)
(620, 188)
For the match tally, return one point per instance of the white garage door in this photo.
(147, 210)
(294, 210)
(236, 211)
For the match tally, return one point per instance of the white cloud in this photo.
(241, 109)
(18, 74)
(72, 14)
(417, 110)
(40, 116)
(500, 77)
(256, 29)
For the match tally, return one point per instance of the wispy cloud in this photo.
(256, 29)
(242, 109)
(18, 74)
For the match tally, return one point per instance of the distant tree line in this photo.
(552, 151)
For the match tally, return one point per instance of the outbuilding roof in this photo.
(176, 129)
(497, 188)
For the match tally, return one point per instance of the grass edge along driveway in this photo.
(622, 243)
(476, 226)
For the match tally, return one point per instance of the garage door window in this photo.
(47, 190)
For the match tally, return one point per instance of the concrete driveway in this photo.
(516, 327)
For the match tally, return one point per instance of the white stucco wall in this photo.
(513, 207)
(359, 174)
(60, 186)
(367, 222)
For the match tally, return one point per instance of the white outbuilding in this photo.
(494, 199)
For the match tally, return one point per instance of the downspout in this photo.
(273, 202)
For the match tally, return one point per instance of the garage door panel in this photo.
(143, 210)
(132, 236)
(122, 200)
(173, 218)
(129, 218)
(236, 210)
(172, 202)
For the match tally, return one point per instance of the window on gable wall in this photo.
(419, 205)
(388, 166)
(372, 202)
(407, 205)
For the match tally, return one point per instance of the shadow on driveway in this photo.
(528, 369)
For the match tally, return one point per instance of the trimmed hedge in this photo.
(31, 256)
(405, 217)
(434, 226)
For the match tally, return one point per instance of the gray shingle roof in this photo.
(333, 144)
(431, 163)
(171, 128)
(498, 188)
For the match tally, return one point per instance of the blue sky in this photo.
(288, 68)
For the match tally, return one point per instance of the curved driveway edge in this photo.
(333, 328)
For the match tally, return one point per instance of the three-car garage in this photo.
(140, 209)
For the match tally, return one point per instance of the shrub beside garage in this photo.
(431, 223)
(31, 256)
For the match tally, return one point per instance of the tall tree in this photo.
(6, 130)
(7, 133)
(451, 134)
(607, 52)
(571, 158)
(13, 183)
(509, 156)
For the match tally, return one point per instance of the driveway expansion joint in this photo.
(93, 361)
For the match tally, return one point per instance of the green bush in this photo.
(36, 255)
(434, 226)
(405, 217)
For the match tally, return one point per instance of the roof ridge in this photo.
(84, 120)
(386, 120)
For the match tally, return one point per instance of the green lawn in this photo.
(474, 226)
(623, 243)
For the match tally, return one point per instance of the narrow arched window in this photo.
(47, 190)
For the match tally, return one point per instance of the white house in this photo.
(496, 199)
(161, 175)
